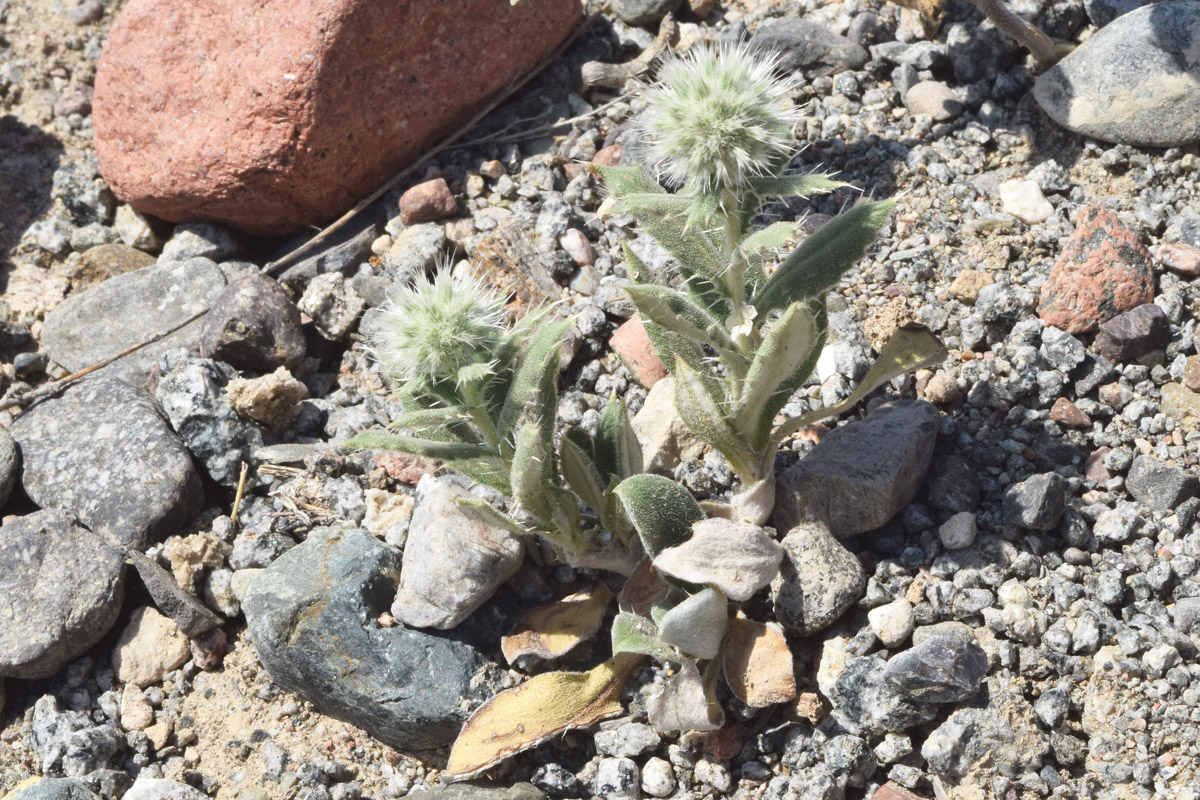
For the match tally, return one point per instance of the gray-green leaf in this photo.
(661, 510)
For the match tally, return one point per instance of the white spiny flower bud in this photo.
(435, 329)
(718, 117)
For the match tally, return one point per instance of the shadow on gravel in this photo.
(28, 158)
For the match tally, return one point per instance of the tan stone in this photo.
(967, 284)
(665, 440)
(149, 647)
(136, 713)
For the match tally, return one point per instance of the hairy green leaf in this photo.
(675, 312)
(794, 185)
(618, 452)
(651, 203)
(581, 473)
(422, 419)
(632, 633)
(622, 181)
(670, 346)
(908, 349)
(698, 398)
(531, 472)
(821, 259)
(772, 237)
(661, 510)
(481, 511)
(533, 387)
(635, 268)
(445, 451)
(788, 344)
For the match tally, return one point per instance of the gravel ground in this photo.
(1086, 615)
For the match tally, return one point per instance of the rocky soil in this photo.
(1025, 625)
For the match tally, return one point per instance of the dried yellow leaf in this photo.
(542, 707)
(554, 629)
(758, 663)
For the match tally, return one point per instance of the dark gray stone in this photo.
(1134, 82)
(1158, 485)
(1094, 372)
(642, 12)
(253, 325)
(941, 669)
(1036, 502)
(1102, 12)
(1052, 706)
(192, 616)
(864, 702)
(10, 465)
(343, 252)
(120, 312)
(191, 393)
(102, 452)
(55, 789)
(312, 617)
(60, 592)
(818, 580)
(804, 45)
(1133, 333)
(953, 485)
(862, 473)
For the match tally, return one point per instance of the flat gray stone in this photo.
(60, 592)
(1158, 485)
(55, 789)
(312, 617)
(102, 453)
(120, 312)
(941, 669)
(452, 562)
(1134, 82)
(808, 46)
(818, 580)
(862, 473)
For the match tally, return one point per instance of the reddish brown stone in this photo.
(275, 115)
(1191, 373)
(608, 156)
(427, 202)
(1103, 270)
(404, 467)
(107, 261)
(1179, 257)
(726, 742)
(631, 343)
(1065, 413)
(894, 791)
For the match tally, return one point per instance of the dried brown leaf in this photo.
(758, 663)
(554, 629)
(542, 707)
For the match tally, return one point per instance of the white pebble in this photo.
(658, 779)
(893, 622)
(1025, 201)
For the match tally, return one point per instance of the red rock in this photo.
(631, 343)
(1103, 270)
(894, 791)
(1179, 257)
(608, 156)
(274, 115)
(1065, 413)
(404, 467)
(426, 202)
(1191, 373)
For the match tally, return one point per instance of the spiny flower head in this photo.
(444, 329)
(719, 116)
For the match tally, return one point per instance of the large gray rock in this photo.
(452, 562)
(941, 669)
(54, 789)
(862, 473)
(997, 736)
(1134, 82)
(864, 702)
(60, 592)
(102, 452)
(818, 580)
(191, 393)
(69, 741)
(808, 46)
(312, 617)
(104, 320)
